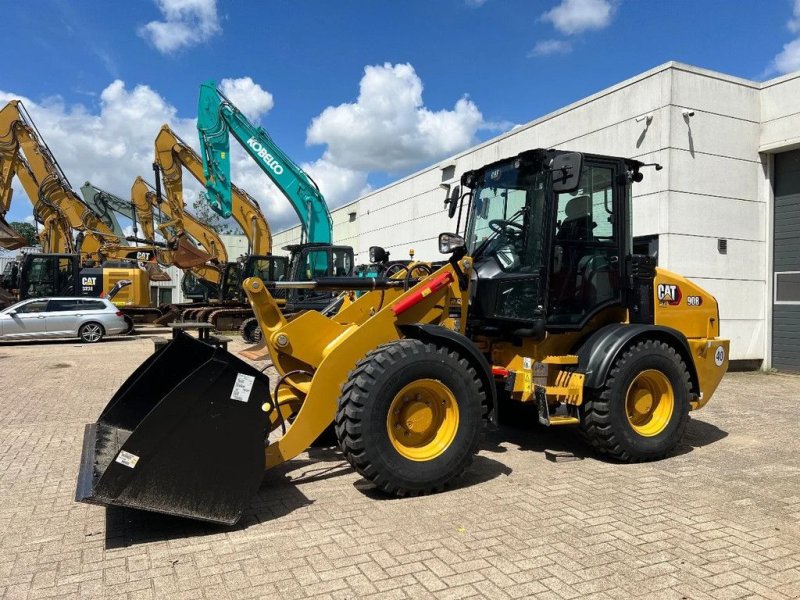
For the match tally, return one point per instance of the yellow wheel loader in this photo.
(541, 301)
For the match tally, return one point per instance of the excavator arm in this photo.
(176, 228)
(172, 153)
(217, 119)
(18, 134)
(107, 206)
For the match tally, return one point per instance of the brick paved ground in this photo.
(719, 520)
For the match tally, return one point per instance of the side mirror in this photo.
(11, 313)
(378, 255)
(450, 242)
(566, 169)
(452, 201)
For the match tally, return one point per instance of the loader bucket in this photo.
(156, 273)
(9, 238)
(184, 436)
(187, 256)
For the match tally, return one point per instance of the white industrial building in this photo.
(724, 211)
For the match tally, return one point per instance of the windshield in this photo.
(507, 216)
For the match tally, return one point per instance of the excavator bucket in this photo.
(184, 436)
(156, 273)
(10, 239)
(187, 256)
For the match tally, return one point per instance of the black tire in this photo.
(91, 332)
(604, 422)
(361, 418)
(250, 331)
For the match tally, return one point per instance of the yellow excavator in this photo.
(98, 259)
(541, 302)
(229, 306)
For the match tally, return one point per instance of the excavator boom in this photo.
(217, 119)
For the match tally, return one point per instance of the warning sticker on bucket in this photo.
(242, 387)
(127, 459)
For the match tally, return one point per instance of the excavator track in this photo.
(229, 319)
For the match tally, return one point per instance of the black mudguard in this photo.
(598, 351)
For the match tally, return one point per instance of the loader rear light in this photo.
(500, 371)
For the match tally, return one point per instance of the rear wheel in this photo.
(410, 417)
(91, 332)
(641, 412)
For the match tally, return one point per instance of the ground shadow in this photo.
(699, 434)
(278, 496)
(538, 438)
(483, 469)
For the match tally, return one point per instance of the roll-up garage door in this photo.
(786, 263)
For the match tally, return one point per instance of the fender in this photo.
(598, 352)
(441, 336)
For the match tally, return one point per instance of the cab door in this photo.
(587, 247)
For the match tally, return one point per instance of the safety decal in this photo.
(668, 294)
(242, 387)
(127, 459)
(719, 356)
(527, 362)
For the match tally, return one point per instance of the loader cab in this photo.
(549, 232)
(314, 260)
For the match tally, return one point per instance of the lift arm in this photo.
(217, 119)
(172, 153)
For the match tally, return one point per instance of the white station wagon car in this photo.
(86, 318)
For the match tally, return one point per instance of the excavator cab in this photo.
(312, 261)
(42, 275)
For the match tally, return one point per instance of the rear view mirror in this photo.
(377, 255)
(566, 169)
(452, 201)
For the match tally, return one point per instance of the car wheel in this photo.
(91, 332)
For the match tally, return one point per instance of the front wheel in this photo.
(410, 417)
(91, 332)
(642, 410)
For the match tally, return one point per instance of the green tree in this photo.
(27, 231)
(202, 211)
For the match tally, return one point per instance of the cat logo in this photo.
(88, 281)
(668, 294)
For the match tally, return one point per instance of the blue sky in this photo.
(441, 74)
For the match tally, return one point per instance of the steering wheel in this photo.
(509, 228)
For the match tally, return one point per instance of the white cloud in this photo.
(794, 22)
(788, 59)
(248, 96)
(186, 23)
(337, 184)
(571, 17)
(475, 3)
(111, 147)
(388, 128)
(547, 47)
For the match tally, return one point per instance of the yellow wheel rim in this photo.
(649, 403)
(423, 419)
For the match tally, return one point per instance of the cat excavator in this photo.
(92, 263)
(541, 302)
(228, 306)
